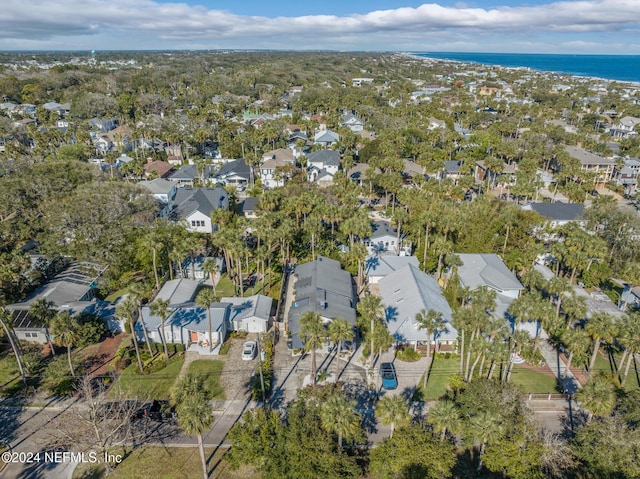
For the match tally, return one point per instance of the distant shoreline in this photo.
(554, 66)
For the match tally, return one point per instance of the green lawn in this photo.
(9, 375)
(441, 370)
(210, 370)
(166, 463)
(533, 381)
(156, 385)
(225, 287)
(606, 365)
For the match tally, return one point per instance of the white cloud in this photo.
(148, 24)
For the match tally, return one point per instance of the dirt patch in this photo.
(543, 370)
(100, 362)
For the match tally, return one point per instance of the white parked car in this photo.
(249, 350)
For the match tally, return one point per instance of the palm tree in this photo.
(312, 329)
(431, 321)
(443, 416)
(160, 307)
(66, 333)
(631, 341)
(127, 310)
(598, 397)
(600, 327)
(194, 418)
(393, 411)
(7, 325)
(339, 331)
(631, 274)
(44, 311)
(139, 292)
(371, 309)
(485, 426)
(577, 343)
(338, 416)
(210, 267)
(205, 299)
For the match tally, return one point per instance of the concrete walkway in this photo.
(559, 368)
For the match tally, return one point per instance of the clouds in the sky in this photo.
(133, 24)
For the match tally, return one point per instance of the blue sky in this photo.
(529, 26)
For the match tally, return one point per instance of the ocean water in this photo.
(611, 67)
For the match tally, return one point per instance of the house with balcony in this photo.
(602, 167)
(385, 240)
(405, 293)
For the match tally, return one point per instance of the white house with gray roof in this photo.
(384, 240)
(488, 270)
(557, 214)
(405, 293)
(188, 323)
(195, 205)
(324, 287)
(164, 191)
(601, 166)
(380, 266)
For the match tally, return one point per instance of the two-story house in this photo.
(195, 205)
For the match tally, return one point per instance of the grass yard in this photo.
(156, 385)
(441, 370)
(210, 370)
(607, 365)
(9, 374)
(225, 287)
(166, 463)
(533, 381)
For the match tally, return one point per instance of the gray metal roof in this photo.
(405, 293)
(486, 270)
(324, 287)
(158, 186)
(326, 157)
(257, 306)
(559, 211)
(383, 265)
(588, 158)
(382, 229)
(236, 167)
(204, 200)
(178, 291)
(188, 316)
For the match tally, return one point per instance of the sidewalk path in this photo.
(559, 368)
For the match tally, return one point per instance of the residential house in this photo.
(505, 176)
(379, 266)
(385, 240)
(272, 160)
(235, 173)
(322, 165)
(72, 290)
(249, 207)
(405, 293)
(358, 174)
(102, 144)
(251, 314)
(488, 270)
(164, 191)
(627, 175)
(626, 127)
(187, 174)
(103, 124)
(195, 205)
(451, 170)
(411, 170)
(321, 286)
(602, 167)
(352, 122)
(326, 138)
(187, 323)
(557, 214)
(160, 168)
(358, 82)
